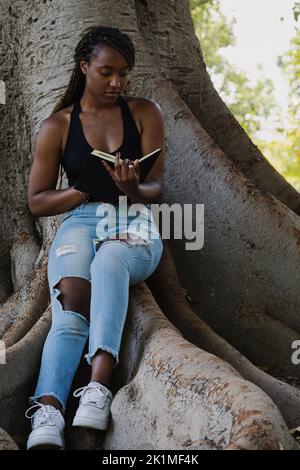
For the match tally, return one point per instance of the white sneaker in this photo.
(94, 406)
(47, 427)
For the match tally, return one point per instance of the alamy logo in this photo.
(296, 354)
(147, 221)
(2, 352)
(2, 92)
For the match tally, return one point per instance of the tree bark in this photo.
(243, 283)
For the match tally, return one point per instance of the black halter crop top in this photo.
(77, 147)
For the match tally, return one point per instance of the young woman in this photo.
(90, 269)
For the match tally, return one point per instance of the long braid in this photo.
(73, 91)
(93, 38)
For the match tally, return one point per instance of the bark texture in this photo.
(187, 376)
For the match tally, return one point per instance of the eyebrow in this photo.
(109, 67)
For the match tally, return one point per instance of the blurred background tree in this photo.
(253, 102)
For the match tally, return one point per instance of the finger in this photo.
(129, 165)
(118, 155)
(125, 168)
(108, 168)
(118, 164)
(131, 172)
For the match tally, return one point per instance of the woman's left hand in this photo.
(126, 174)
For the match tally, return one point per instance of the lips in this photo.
(112, 93)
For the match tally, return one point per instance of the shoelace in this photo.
(42, 415)
(87, 392)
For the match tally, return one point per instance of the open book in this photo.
(96, 181)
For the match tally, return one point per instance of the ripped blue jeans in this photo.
(88, 244)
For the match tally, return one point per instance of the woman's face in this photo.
(106, 73)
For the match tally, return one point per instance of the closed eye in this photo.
(108, 74)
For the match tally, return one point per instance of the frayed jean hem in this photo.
(89, 357)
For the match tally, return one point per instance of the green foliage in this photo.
(253, 104)
(213, 31)
(289, 157)
(284, 156)
(290, 64)
(296, 11)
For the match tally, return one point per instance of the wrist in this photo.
(135, 194)
(82, 196)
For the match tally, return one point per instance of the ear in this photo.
(83, 66)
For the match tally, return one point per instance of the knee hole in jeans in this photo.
(75, 295)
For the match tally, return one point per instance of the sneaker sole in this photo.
(45, 447)
(102, 425)
(45, 442)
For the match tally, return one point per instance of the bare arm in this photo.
(43, 199)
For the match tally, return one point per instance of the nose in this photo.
(115, 82)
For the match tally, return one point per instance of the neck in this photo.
(97, 104)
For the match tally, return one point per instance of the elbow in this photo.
(33, 206)
(160, 188)
(158, 191)
(33, 210)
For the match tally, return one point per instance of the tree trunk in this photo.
(243, 283)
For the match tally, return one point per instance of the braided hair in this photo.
(92, 38)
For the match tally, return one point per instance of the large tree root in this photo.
(240, 267)
(25, 307)
(18, 376)
(25, 248)
(170, 296)
(6, 442)
(20, 312)
(205, 405)
(179, 397)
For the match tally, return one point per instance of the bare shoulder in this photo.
(145, 110)
(56, 120)
(62, 117)
(142, 104)
(56, 126)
